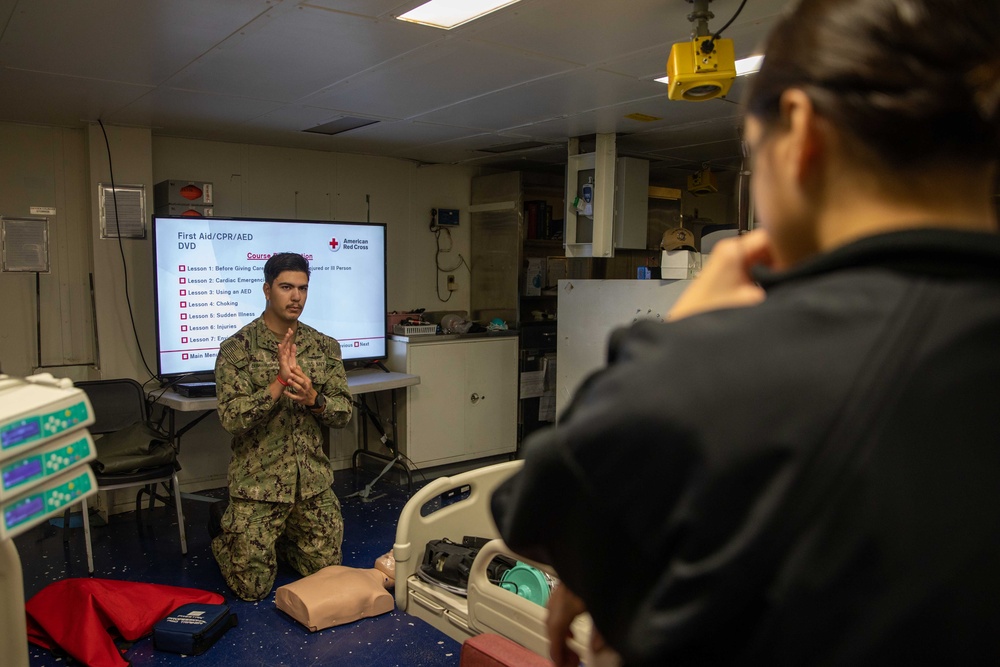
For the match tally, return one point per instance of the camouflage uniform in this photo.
(281, 504)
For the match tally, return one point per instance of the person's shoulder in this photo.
(304, 328)
(247, 333)
(320, 337)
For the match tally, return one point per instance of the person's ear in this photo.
(804, 136)
(267, 292)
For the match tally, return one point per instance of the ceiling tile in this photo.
(287, 55)
(472, 149)
(185, 109)
(587, 32)
(294, 117)
(462, 70)
(553, 97)
(372, 8)
(61, 100)
(133, 42)
(393, 137)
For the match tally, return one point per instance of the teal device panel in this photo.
(34, 507)
(42, 426)
(22, 473)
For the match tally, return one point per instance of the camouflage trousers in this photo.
(306, 534)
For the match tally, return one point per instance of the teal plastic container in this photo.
(528, 582)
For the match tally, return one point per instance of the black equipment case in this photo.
(192, 628)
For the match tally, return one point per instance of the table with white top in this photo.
(360, 382)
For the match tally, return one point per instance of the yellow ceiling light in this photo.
(705, 66)
(448, 14)
(701, 69)
(747, 65)
(703, 183)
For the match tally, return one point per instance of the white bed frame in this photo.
(488, 607)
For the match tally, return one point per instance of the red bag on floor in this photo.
(79, 615)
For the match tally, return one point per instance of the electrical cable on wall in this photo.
(437, 259)
(121, 251)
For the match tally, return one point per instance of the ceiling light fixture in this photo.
(748, 65)
(448, 14)
(704, 67)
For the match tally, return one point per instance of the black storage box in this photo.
(447, 564)
(192, 628)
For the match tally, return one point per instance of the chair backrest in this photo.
(117, 403)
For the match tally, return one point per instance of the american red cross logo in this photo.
(334, 245)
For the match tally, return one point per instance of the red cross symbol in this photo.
(333, 244)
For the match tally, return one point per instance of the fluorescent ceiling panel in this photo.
(448, 14)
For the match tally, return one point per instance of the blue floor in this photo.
(265, 635)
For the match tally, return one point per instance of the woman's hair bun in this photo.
(912, 80)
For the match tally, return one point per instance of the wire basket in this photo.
(414, 329)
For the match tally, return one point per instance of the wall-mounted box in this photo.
(447, 217)
(185, 210)
(618, 216)
(182, 192)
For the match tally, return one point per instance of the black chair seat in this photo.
(135, 477)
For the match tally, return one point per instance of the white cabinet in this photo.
(465, 406)
(620, 210)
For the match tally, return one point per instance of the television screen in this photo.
(209, 274)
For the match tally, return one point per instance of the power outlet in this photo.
(451, 283)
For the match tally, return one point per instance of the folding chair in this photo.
(118, 404)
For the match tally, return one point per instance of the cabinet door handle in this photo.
(475, 398)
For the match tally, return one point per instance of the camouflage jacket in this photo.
(278, 446)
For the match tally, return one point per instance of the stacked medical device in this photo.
(44, 450)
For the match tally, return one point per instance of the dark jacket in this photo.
(811, 481)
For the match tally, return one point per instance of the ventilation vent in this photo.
(123, 211)
(642, 118)
(25, 244)
(509, 148)
(344, 124)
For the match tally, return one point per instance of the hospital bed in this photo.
(454, 507)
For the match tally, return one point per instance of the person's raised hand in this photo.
(725, 281)
(286, 356)
(300, 387)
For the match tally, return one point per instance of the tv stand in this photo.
(377, 364)
(366, 383)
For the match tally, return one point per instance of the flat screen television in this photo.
(209, 276)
